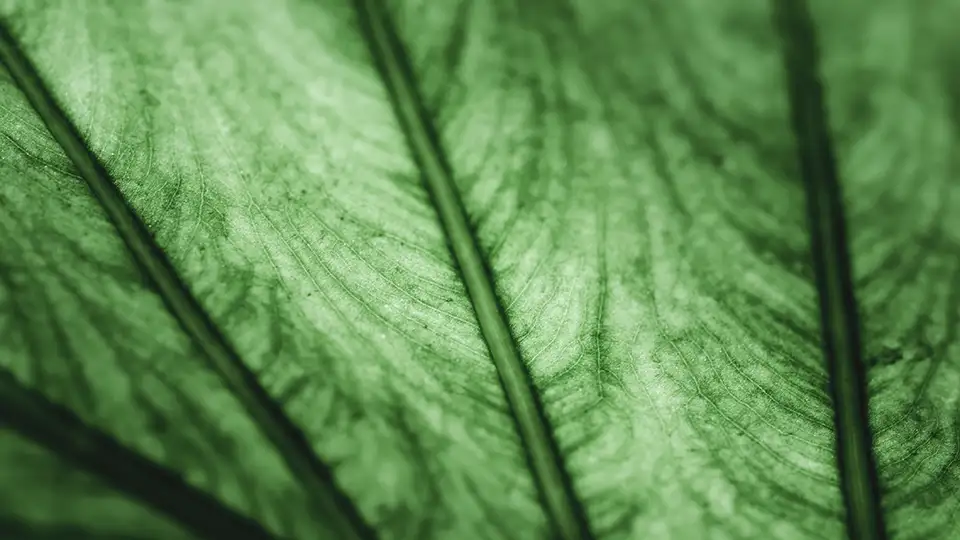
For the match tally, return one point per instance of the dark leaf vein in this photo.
(840, 326)
(58, 429)
(546, 463)
(286, 437)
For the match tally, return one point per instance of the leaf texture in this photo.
(839, 317)
(331, 275)
(629, 177)
(893, 91)
(81, 326)
(607, 187)
(40, 483)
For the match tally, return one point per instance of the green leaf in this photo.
(893, 99)
(492, 270)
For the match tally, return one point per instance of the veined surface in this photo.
(630, 173)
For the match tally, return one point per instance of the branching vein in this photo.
(556, 490)
(290, 442)
(58, 429)
(838, 312)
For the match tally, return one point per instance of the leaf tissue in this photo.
(398, 269)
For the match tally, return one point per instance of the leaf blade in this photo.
(270, 419)
(839, 319)
(80, 325)
(323, 292)
(684, 363)
(887, 76)
(91, 506)
(57, 429)
(600, 182)
(555, 489)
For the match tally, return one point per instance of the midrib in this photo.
(317, 479)
(560, 502)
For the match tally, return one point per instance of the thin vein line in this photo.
(555, 487)
(840, 325)
(290, 442)
(61, 431)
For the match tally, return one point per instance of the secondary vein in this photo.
(840, 326)
(555, 487)
(335, 508)
(61, 431)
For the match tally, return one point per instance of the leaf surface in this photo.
(630, 178)
(330, 274)
(668, 263)
(893, 92)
